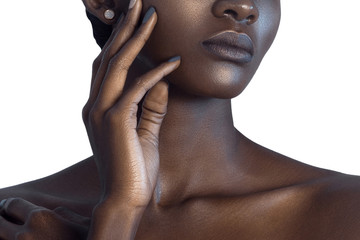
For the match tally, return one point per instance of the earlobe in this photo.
(109, 14)
(104, 10)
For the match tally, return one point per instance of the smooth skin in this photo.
(183, 171)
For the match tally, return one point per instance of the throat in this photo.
(197, 146)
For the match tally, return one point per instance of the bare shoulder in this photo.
(76, 187)
(337, 206)
(345, 186)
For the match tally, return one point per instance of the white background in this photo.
(303, 102)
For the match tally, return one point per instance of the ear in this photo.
(98, 8)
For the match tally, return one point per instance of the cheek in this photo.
(267, 25)
(198, 74)
(180, 30)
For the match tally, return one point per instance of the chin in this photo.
(212, 79)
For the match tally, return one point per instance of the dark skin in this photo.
(197, 177)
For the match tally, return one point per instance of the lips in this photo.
(230, 46)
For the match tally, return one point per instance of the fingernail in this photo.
(148, 14)
(132, 4)
(174, 59)
(2, 204)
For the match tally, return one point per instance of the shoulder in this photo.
(342, 192)
(76, 188)
(337, 206)
(324, 204)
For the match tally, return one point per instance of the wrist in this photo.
(124, 201)
(115, 219)
(113, 207)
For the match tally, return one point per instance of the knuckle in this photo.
(111, 52)
(140, 83)
(95, 115)
(153, 114)
(13, 202)
(37, 213)
(39, 217)
(131, 25)
(121, 64)
(105, 55)
(130, 111)
(123, 118)
(85, 113)
(141, 38)
(112, 117)
(96, 63)
(116, 117)
(23, 236)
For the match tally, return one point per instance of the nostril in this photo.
(230, 12)
(241, 11)
(250, 18)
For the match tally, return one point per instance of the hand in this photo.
(20, 219)
(126, 154)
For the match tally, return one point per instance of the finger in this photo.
(146, 82)
(153, 112)
(2, 204)
(120, 35)
(7, 229)
(113, 84)
(123, 30)
(97, 61)
(19, 209)
(72, 216)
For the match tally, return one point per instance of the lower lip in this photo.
(229, 53)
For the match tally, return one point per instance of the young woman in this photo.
(176, 167)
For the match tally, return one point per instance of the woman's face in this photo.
(222, 71)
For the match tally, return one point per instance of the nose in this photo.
(240, 10)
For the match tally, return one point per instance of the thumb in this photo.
(153, 112)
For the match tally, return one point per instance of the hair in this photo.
(101, 31)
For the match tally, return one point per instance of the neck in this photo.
(198, 146)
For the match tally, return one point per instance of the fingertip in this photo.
(160, 90)
(157, 97)
(174, 59)
(149, 13)
(175, 62)
(132, 4)
(2, 205)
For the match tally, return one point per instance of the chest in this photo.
(280, 216)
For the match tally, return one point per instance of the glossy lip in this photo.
(231, 46)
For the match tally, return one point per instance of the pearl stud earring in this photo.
(109, 14)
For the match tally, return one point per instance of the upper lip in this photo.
(232, 39)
